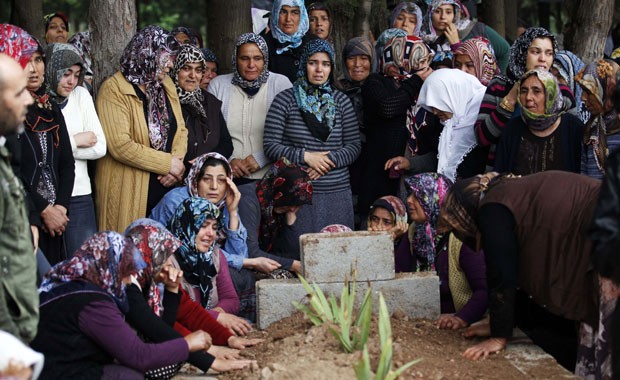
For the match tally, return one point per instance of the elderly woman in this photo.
(320, 18)
(314, 125)
(601, 137)
(287, 36)
(56, 28)
(143, 123)
(476, 57)
(544, 137)
(211, 68)
(408, 17)
(206, 127)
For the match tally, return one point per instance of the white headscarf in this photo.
(460, 93)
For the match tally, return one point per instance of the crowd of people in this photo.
(144, 214)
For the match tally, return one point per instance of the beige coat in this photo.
(122, 177)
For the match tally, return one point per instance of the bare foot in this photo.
(478, 329)
(482, 350)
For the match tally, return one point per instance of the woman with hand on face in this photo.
(206, 127)
(211, 68)
(56, 28)
(314, 125)
(143, 123)
(408, 17)
(389, 214)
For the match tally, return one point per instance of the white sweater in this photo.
(80, 116)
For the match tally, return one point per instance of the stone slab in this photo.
(415, 294)
(329, 257)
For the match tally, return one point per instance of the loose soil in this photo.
(295, 349)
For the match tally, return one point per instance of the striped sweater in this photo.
(286, 134)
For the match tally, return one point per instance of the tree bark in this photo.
(226, 20)
(30, 17)
(510, 18)
(494, 16)
(112, 23)
(592, 26)
(361, 22)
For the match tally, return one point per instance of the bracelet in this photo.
(505, 104)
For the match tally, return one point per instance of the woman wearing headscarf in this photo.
(387, 96)
(320, 21)
(383, 39)
(288, 25)
(476, 57)
(56, 28)
(600, 137)
(82, 328)
(211, 68)
(153, 312)
(185, 35)
(535, 48)
(65, 72)
(314, 125)
(565, 66)
(388, 214)
(516, 219)
(544, 137)
(449, 25)
(408, 17)
(81, 41)
(47, 163)
(143, 123)
(206, 127)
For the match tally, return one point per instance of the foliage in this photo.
(383, 372)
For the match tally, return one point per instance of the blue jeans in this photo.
(82, 222)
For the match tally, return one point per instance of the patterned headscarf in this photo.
(292, 41)
(518, 51)
(599, 79)
(58, 59)
(480, 51)
(145, 57)
(81, 41)
(284, 184)
(384, 37)
(193, 39)
(17, 44)
(554, 101)
(354, 47)
(431, 34)
(156, 244)
(198, 267)
(568, 65)
(238, 80)
(189, 54)
(191, 181)
(410, 8)
(408, 54)
(429, 189)
(316, 103)
(209, 55)
(103, 260)
(394, 205)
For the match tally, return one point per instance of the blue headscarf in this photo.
(316, 103)
(294, 40)
(568, 64)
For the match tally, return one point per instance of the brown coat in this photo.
(553, 211)
(122, 176)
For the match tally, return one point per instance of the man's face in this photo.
(14, 97)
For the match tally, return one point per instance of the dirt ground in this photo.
(295, 349)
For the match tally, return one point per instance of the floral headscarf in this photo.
(189, 54)
(156, 244)
(191, 181)
(384, 37)
(480, 51)
(354, 47)
(103, 260)
(410, 8)
(238, 80)
(406, 53)
(292, 41)
(518, 51)
(554, 101)
(335, 228)
(145, 57)
(17, 44)
(599, 79)
(430, 190)
(58, 59)
(394, 205)
(284, 184)
(316, 103)
(209, 55)
(198, 267)
(81, 41)
(568, 65)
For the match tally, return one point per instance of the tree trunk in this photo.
(494, 16)
(593, 27)
(226, 20)
(510, 17)
(112, 23)
(361, 22)
(30, 17)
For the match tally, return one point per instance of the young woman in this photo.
(388, 213)
(320, 21)
(408, 17)
(476, 57)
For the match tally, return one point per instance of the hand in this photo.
(262, 264)
(478, 329)
(451, 33)
(170, 277)
(177, 168)
(397, 163)
(313, 174)
(240, 168)
(251, 164)
(236, 325)
(513, 94)
(241, 343)
(450, 322)
(35, 238)
(54, 220)
(319, 161)
(296, 267)
(222, 352)
(85, 139)
(424, 72)
(198, 340)
(233, 196)
(399, 229)
(221, 365)
(168, 180)
(482, 350)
